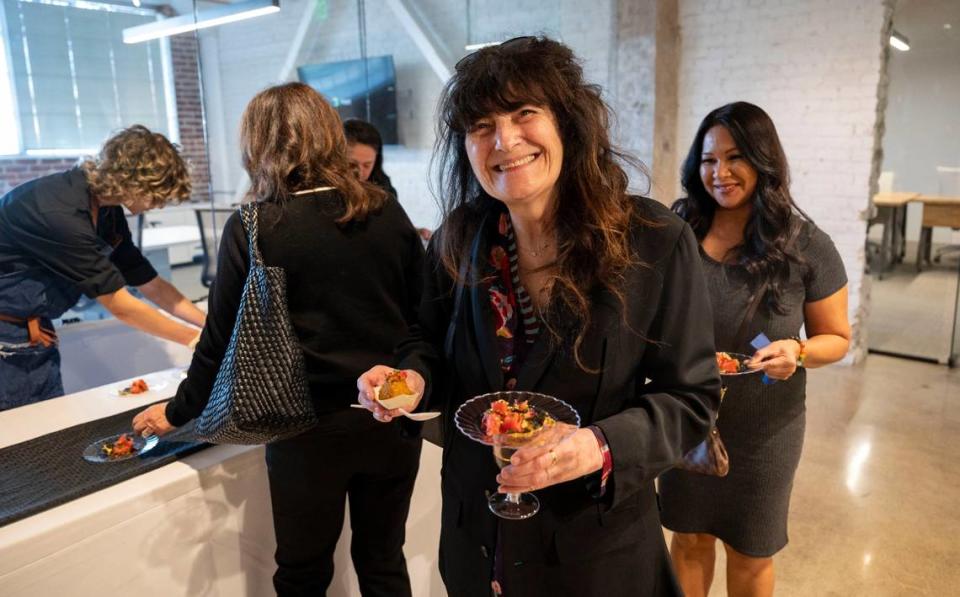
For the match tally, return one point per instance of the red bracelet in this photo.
(605, 452)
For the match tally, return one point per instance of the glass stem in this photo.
(513, 498)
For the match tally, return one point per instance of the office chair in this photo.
(875, 217)
(948, 181)
(211, 220)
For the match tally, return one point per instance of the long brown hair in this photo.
(593, 215)
(292, 140)
(138, 168)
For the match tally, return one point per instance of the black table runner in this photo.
(50, 470)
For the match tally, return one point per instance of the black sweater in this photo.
(352, 292)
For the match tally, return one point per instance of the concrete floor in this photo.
(187, 279)
(876, 501)
(912, 313)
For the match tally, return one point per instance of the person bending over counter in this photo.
(64, 235)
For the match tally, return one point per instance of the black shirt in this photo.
(47, 222)
(352, 292)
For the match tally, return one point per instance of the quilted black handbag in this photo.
(260, 393)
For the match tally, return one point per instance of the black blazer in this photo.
(654, 398)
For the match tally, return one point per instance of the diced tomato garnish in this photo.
(500, 407)
(727, 364)
(491, 424)
(512, 423)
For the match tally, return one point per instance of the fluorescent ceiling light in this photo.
(220, 15)
(898, 41)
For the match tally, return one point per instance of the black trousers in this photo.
(348, 456)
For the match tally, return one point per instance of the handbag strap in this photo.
(757, 297)
(248, 215)
(754, 304)
(458, 296)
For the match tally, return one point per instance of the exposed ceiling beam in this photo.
(434, 50)
(286, 73)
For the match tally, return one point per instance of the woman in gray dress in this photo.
(753, 238)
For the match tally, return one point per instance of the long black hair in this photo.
(361, 131)
(764, 252)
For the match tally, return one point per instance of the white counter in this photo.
(199, 526)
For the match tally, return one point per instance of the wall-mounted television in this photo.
(346, 85)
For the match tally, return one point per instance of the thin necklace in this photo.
(310, 191)
(538, 251)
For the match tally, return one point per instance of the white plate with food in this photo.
(139, 387)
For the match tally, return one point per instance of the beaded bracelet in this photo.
(802, 356)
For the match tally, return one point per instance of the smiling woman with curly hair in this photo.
(64, 235)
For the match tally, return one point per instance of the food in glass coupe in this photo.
(138, 386)
(727, 364)
(122, 446)
(511, 420)
(517, 419)
(395, 393)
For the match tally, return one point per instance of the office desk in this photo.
(937, 211)
(892, 211)
(179, 242)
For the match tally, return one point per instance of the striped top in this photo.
(517, 324)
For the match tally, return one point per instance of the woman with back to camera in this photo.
(577, 290)
(353, 264)
(64, 235)
(753, 239)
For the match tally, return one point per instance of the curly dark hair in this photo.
(138, 168)
(292, 140)
(593, 215)
(764, 252)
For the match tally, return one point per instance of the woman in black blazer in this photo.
(322, 226)
(572, 288)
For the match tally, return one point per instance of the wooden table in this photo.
(937, 211)
(892, 211)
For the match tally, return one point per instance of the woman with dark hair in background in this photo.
(753, 239)
(64, 235)
(574, 289)
(365, 149)
(353, 264)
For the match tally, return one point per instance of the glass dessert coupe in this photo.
(553, 420)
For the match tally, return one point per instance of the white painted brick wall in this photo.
(815, 67)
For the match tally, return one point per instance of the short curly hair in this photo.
(139, 168)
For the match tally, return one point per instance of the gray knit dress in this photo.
(761, 425)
